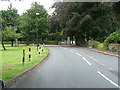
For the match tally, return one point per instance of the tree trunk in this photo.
(80, 41)
(12, 43)
(77, 41)
(3, 45)
(72, 39)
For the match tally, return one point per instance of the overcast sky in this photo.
(25, 4)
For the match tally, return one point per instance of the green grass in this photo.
(12, 60)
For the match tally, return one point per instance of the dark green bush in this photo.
(40, 42)
(114, 49)
(114, 37)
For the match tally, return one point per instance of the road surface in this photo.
(70, 67)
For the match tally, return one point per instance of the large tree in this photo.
(85, 21)
(116, 10)
(34, 26)
(9, 34)
(9, 22)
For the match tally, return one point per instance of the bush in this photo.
(40, 42)
(96, 44)
(114, 49)
(50, 42)
(105, 45)
(114, 37)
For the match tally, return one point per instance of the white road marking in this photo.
(78, 54)
(87, 61)
(96, 60)
(108, 79)
(89, 56)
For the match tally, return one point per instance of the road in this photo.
(70, 67)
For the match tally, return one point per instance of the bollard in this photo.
(29, 54)
(39, 50)
(37, 47)
(42, 50)
(23, 60)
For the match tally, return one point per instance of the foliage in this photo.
(9, 24)
(112, 38)
(50, 42)
(95, 45)
(40, 42)
(84, 21)
(9, 34)
(114, 49)
(34, 26)
(9, 18)
(116, 10)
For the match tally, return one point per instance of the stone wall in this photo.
(116, 46)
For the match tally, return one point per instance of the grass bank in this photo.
(12, 60)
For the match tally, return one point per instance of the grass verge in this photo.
(12, 60)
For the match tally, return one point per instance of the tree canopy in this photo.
(85, 21)
(9, 24)
(32, 24)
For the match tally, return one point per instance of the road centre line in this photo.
(108, 79)
(100, 62)
(92, 57)
(78, 54)
(89, 56)
(87, 61)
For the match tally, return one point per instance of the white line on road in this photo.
(92, 57)
(108, 79)
(78, 54)
(87, 61)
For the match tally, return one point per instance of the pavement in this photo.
(70, 67)
(107, 52)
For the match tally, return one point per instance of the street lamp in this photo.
(37, 14)
(37, 29)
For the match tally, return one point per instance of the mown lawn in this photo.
(12, 60)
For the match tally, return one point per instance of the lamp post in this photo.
(37, 30)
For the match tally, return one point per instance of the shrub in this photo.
(114, 49)
(114, 37)
(105, 45)
(40, 42)
(96, 44)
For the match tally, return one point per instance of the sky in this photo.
(25, 4)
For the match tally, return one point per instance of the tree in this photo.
(85, 21)
(8, 34)
(10, 21)
(31, 25)
(116, 10)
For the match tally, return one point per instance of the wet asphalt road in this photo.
(69, 67)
